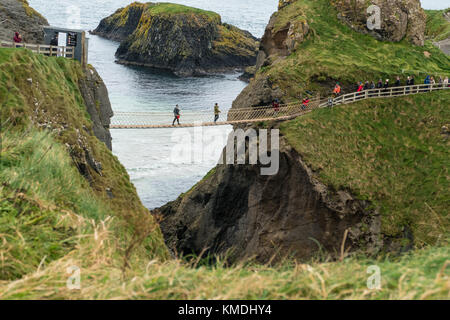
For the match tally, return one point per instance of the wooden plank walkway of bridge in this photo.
(266, 113)
(203, 124)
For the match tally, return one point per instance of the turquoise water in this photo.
(148, 155)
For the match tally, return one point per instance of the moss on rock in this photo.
(185, 40)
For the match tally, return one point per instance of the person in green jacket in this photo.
(216, 112)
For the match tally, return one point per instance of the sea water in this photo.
(150, 156)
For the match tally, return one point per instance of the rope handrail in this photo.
(129, 120)
(201, 112)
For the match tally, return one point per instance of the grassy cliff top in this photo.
(388, 151)
(333, 52)
(120, 17)
(47, 208)
(438, 27)
(175, 9)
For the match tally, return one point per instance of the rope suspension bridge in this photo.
(153, 120)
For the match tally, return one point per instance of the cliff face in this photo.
(96, 99)
(185, 40)
(268, 217)
(122, 23)
(365, 178)
(18, 16)
(399, 19)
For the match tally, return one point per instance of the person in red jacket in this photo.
(360, 87)
(337, 90)
(305, 103)
(17, 38)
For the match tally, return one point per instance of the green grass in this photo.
(51, 218)
(390, 152)
(40, 191)
(438, 28)
(121, 16)
(165, 8)
(422, 274)
(333, 52)
(43, 120)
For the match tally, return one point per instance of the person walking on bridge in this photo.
(176, 114)
(216, 113)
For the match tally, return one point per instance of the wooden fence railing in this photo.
(383, 93)
(48, 50)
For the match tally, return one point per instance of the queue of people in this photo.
(410, 81)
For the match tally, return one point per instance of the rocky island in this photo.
(184, 40)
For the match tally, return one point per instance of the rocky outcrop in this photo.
(238, 210)
(399, 19)
(281, 41)
(120, 25)
(259, 92)
(278, 42)
(284, 3)
(96, 99)
(185, 40)
(18, 16)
